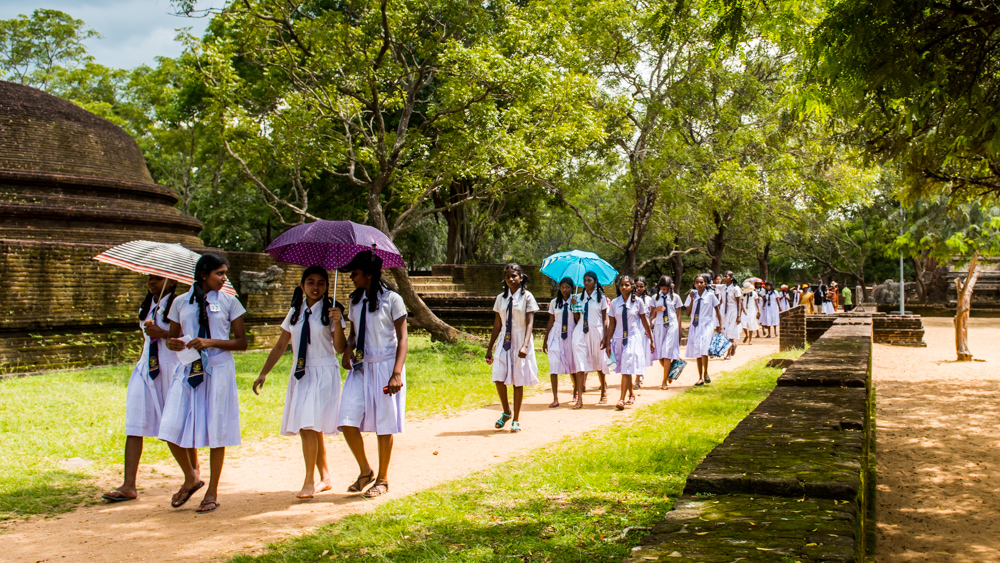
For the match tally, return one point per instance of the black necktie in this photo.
(666, 313)
(154, 354)
(697, 311)
(359, 350)
(304, 340)
(586, 313)
(197, 374)
(624, 322)
(565, 324)
(510, 317)
(726, 291)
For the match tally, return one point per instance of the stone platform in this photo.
(794, 481)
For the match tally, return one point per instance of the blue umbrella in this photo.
(575, 263)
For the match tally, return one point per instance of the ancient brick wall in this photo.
(895, 330)
(794, 481)
(792, 328)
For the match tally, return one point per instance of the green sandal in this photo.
(515, 426)
(503, 420)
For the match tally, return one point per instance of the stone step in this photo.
(440, 296)
(438, 288)
(424, 280)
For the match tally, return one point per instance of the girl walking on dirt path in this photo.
(312, 401)
(626, 326)
(647, 358)
(666, 326)
(374, 396)
(731, 303)
(558, 344)
(513, 357)
(588, 336)
(149, 383)
(702, 308)
(750, 313)
(202, 408)
(769, 310)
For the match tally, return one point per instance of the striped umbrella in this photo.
(171, 261)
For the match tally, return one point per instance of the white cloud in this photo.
(135, 31)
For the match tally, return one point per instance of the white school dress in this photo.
(782, 302)
(629, 356)
(647, 356)
(749, 321)
(796, 295)
(561, 359)
(145, 396)
(668, 344)
(769, 309)
(363, 405)
(729, 306)
(313, 402)
(701, 327)
(508, 367)
(589, 333)
(207, 415)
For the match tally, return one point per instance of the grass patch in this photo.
(49, 418)
(558, 504)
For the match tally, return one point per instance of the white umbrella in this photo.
(171, 261)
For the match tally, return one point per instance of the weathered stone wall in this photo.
(794, 481)
(896, 330)
(61, 308)
(792, 328)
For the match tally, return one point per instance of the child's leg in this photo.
(732, 348)
(666, 372)
(705, 377)
(187, 459)
(352, 435)
(216, 458)
(384, 455)
(309, 450)
(321, 466)
(502, 393)
(604, 386)
(555, 391)
(626, 386)
(580, 378)
(133, 452)
(518, 395)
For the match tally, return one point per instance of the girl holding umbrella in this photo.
(558, 344)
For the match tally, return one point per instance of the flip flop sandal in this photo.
(377, 490)
(630, 401)
(112, 499)
(187, 495)
(515, 427)
(203, 510)
(664, 387)
(358, 486)
(620, 406)
(708, 379)
(700, 383)
(603, 401)
(503, 420)
(553, 404)
(577, 406)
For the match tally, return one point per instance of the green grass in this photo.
(564, 503)
(49, 418)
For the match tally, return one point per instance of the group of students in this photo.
(183, 390)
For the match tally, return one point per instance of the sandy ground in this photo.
(257, 499)
(938, 460)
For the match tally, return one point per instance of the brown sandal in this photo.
(378, 489)
(358, 486)
(204, 503)
(187, 495)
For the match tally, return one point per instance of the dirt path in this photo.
(257, 489)
(938, 460)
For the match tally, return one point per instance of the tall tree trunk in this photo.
(678, 263)
(918, 267)
(459, 229)
(628, 268)
(718, 243)
(964, 308)
(762, 262)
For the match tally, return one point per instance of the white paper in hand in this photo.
(188, 355)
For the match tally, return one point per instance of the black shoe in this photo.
(708, 379)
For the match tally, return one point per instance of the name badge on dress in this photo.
(214, 308)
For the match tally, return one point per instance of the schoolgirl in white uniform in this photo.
(588, 336)
(626, 326)
(731, 307)
(702, 308)
(202, 407)
(312, 401)
(796, 295)
(784, 300)
(374, 395)
(642, 294)
(513, 356)
(149, 382)
(666, 323)
(750, 313)
(769, 309)
(558, 344)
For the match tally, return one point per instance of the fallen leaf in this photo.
(810, 544)
(700, 533)
(325, 551)
(765, 549)
(435, 453)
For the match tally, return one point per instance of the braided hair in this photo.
(597, 282)
(524, 278)
(298, 296)
(147, 303)
(618, 287)
(559, 297)
(667, 282)
(207, 264)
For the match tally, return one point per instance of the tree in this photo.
(33, 49)
(395, 100)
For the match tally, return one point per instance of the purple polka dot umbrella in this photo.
(332, 244)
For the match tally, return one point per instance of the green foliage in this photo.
(34, 48)
(566, 502)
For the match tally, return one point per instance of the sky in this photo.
(135, 31)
